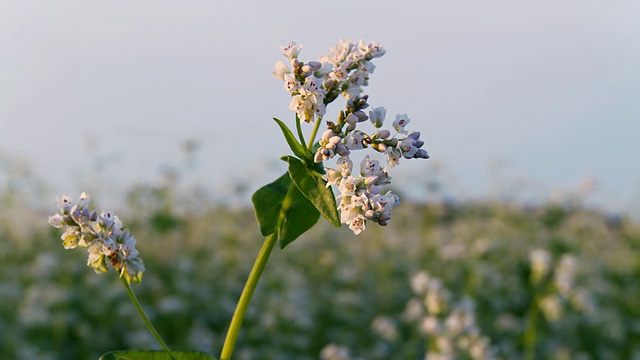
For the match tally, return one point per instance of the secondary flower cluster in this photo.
(345, 70)
(103, 234)
(360, 195)
(343, 137)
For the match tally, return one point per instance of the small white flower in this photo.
(354, 140)
(303, 107)
(280, 69)
(71, 237)
(377, 116)
(393, 156)
(308, 99)
(83, 200)
(291, 51)
(430, 325)
(97, 258)
(324, 70)
(347, 185)
(56, 221)
(332, 176)
(401, 121)
(369, 167)
(357, 224)
(291, 84)
(540, 261)
(373, 49)
(312, 86)
(420, 283)
(65, 203)
(407, 147)
(345, 165)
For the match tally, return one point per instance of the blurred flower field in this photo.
(443, 281)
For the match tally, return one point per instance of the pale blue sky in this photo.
(546, 89)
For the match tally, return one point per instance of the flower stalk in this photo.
(312, 138)
(245, 297)
(252, 281)
(144, 317)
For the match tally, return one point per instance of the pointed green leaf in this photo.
(280, 206)
(311, 184)
(298, 216)
(267, 202)
(155, 355)
(297, 148)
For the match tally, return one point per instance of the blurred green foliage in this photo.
(327, 288)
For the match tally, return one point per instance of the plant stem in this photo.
(245, 298)
(530, 332)
(312, 138)
(153, 331)
(299, 129)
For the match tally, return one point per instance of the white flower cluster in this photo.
(449, 326)
(104, 235)
(557, 284)
(360, 195)
(314, 84)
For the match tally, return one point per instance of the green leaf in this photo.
(155, 355)
(311, 184)
(267, 202)
(280, 206)
(298, 216)
(297, 148)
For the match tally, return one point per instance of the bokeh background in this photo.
(162, 111)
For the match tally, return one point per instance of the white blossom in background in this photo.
(105, 237)
(540, 261)
(551, 306)
(565, 273)
(385, 327)
(448, 326)
(334, 352)
(556, 285)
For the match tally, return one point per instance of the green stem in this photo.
(252, 281)
(245, 298)
(153, 331)
(312, 138)
(299, 128)
(530, 333)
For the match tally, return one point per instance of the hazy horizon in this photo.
(543, 94)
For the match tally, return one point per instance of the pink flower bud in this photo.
(383, 134)
(352, 119)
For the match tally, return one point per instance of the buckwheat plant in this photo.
(293, 203)
(108, 243)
